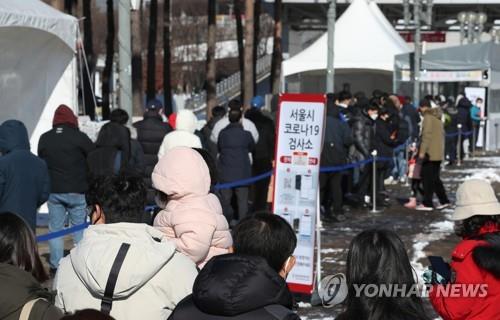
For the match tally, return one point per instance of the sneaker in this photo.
(411, 204)
(424, 208)
(443, 206)
(390, 181)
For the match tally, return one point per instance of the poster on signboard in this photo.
(473, 93)
(298, 152)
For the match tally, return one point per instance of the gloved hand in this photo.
(431, 277)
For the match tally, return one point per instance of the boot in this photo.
(411, 204)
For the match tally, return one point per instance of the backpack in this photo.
(26, 311)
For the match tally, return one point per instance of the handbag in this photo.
(26, 311)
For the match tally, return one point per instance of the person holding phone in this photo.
(475, 260)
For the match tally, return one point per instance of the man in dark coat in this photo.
(465, 120)
(263, 247)
(150, 133)
(264, 151)
(337, 140)
(24, 178)
(451, 131)
(65, 150)
(218, 113)
(235, 144)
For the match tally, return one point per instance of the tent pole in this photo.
(330, 72)
(125, 56)
(418, 51)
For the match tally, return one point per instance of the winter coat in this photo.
(17, 287)
(136, 163)
(475, 114)
(464, 117)
(206, 131)
(65, 150)
(154, 277)
(337, 139)
(432, 139)
(112, 153)
(264, 148)
(224, 122)
(234, 146)
(192, 218)
(183, 135)
(466, 271)
(363, 134)
(384, 144)
(24, 178)
(410, 114)
(236, 287)
(451, 120)
(150, 133)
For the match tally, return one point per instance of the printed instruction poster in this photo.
(472, 93)
(298, 153)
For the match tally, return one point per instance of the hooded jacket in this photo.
(236, 287)
(183, 135)
(154, 277)
(338, 139)
(65, 150)
(17, 287)
(467, 271)
(193, 217)
(432, 140)
(24, 178)
(150, 133)
(113, 151)
(363, 135)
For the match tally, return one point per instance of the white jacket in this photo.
(220, 125)
(183, 135)
(154, 276)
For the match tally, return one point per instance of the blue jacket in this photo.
(234, 146)
(24, 178)
(475, 114)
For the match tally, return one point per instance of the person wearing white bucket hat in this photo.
(476, 259)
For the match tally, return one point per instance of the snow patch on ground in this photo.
(489, 174)
(443, 226)
(331, 250)
(304, 304)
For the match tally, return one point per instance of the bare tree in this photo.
(153, 26)
(167, 61)
(137, 90)
(277, 50)
(88, 70)
(249, 39)
(70, 6)
(108, 66)
(256, 40)
(239, 34)
(58, 4)
(211, 64)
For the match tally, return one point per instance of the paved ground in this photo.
(424, 234)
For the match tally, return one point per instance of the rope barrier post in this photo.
(474, 126)
(496, 137)
(482, 127)
(459, 147)
(374, 182)
(407, 156)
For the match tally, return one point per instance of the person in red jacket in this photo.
(473, 292)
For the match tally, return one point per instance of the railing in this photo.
(230, 87)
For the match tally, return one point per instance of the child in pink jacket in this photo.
(191, 216)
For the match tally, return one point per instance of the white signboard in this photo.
(473, 93)
(298, 153)
(444, 76)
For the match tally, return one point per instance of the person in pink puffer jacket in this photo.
(191, 216)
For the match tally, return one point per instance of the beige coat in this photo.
(432, 139)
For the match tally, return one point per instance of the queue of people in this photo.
(187, 260)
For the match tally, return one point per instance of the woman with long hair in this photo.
(378, 258)
(473, 292)
(21, 273)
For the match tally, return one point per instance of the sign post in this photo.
(296, 188)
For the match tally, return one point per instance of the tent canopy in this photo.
(478, 56)
(37, 70)
(364, 39)
(38, 15)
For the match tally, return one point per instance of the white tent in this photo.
(37, 63)
(364, 40)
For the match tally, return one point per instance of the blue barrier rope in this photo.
(456, 134)
(64, 232)
(61, 233)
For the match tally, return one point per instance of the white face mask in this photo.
(374, 116)
(479, 105)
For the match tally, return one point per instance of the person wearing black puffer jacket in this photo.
(249, 284)
(336, 143)
(150, 133)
